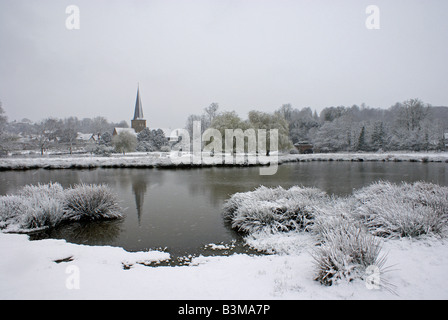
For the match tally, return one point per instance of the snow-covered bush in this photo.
(46, 203)
(46, 206)
(90, 202)
(406, 210)
(34, 207)
(103, 150)
(274, 209)
(344, 247)
(347, 230)
(42, 190)
(11, 207)
(347, 251)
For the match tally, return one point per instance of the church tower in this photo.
(138, 123)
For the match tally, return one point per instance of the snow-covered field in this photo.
(161, 159)
(28, 271)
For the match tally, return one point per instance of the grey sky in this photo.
(243, 54)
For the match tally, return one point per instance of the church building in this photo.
(139, 122)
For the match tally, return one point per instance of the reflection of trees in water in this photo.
(93, 233)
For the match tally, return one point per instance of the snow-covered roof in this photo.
(170, 133)
(130, 130)
(84, 136)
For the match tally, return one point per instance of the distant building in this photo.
(446, 139)
(86, 137)
(139, 122)
(304, 147)
(170, 134)
(119, 130)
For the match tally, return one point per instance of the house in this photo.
(170, 134)
(304, 147)
(446, 139)
(119, 130)
(86, 137)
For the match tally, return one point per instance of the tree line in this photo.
(411, 125)
(51, 132)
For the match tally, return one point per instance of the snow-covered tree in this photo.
(124, 142)
(210, 114)
(301, 122)
(267, 121)
(378, 137)
(151, 140)
(3, 135)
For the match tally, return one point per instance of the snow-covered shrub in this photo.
(334, 214)
(42, 190)
(34, 207)
(90, 202)
(44, 206)
(12, 207)
(346, 253)
(347, 230)
(344, 247)
(406, 210)
(165, 149)
(103, 150)
(294, 151)
(273, 209)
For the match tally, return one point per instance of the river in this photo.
(179, 210)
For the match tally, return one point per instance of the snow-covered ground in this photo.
(28, 271)
(164, 159)
(55, 269)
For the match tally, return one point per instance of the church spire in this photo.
(138, 113)
(138, 123)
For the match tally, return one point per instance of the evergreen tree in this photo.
(362, 146)
(378, 136)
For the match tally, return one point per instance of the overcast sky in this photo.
(242, 54)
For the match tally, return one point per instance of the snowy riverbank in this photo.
(163, 160)
(28, 271)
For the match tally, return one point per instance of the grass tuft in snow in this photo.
(407, 210)
(345, 249)
(46, 206)
(90, 202)
(34, 207)
(273, 210)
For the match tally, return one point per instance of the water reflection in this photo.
(139, 190)
(92, 233)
